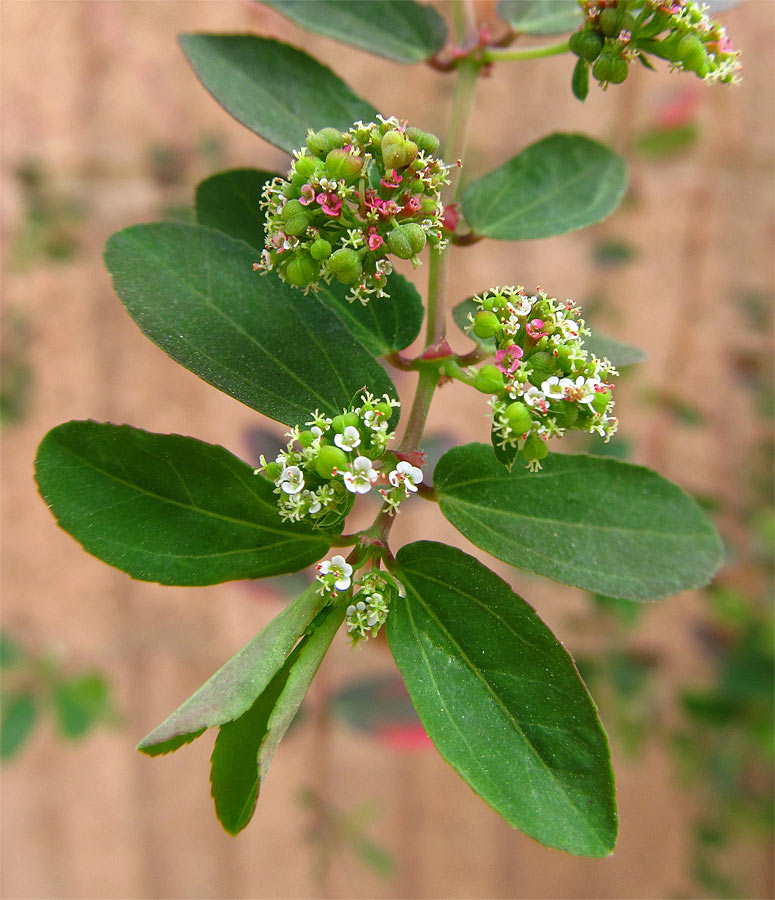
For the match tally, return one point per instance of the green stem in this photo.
(491, 54)
(426, 385)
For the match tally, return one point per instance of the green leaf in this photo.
(18, 715)
(233, 689)
(228, 202)
(541, 16)
(501, 699)
(244, 748)
(193, 292)
(599, 524)
(620, 353)
(559, 184)
(401, 30)
(81, 702)
(167, 508)
(274, 89)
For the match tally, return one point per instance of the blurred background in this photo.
(104, 125)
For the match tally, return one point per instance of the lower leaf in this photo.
(501, 699)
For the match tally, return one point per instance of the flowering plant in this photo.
(289, 310)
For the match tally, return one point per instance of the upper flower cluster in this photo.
(616, 32)
(350, 201)
(325, 465)
(544, 382)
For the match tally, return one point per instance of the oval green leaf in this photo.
(501, 699)
(193, 292)
(541, 16)
(559, 184)
(272, 88)
(167, 508)
(599, 524)
(401, 30)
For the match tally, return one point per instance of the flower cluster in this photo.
(350, 201)
(543, 381)
(368, 611)
(616, 32)
(331, 460)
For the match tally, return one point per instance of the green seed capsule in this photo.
(302, 270)
(608, 21)
(306, 166)
(330, 458)
(320, 249)
(489, 379)
(397, 151)
(586, 44)
(609, 67)
(535, 448)
(486, 324)
(426, 141)
(693, 55)
(298, 224)
(407, 240)
(322, 142)
(341, 164)
(346, 265)
(385, 409)
(306, 438)
(519, 416)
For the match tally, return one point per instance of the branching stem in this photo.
(491, 54)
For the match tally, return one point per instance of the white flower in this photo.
(407, 475)
(360, 479)
(349, 439)
(551, 387)
(580, 391)
(569, 329)
(534, 397)
(340, 569)
(291, 480)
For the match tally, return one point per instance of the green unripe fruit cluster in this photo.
(321, 143)
(345, 264)
(518, 416)
(609, 67)
(341, 164)
(489, 380)
(486, 324)
(407, 240)
(328, 459)
(397, 151)
(586, 44)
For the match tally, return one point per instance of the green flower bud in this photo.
(306, 438)
(601, 401)
(486, 324)
(580, 81)
(397, 151)
(321, 249)
(330, 458)
(611, 68)
(693, 55)
(322, 142)
(519, 416)
(535, 448)
(346, 265)
(273, 471)
(341, 164)
(302, 270)
(407, 240)
(586, 44)
(489, 379)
